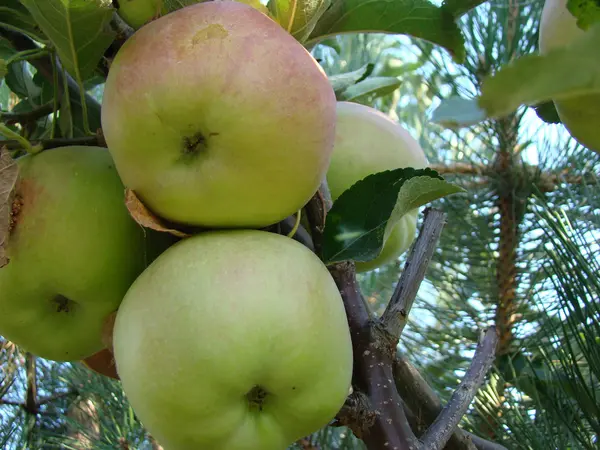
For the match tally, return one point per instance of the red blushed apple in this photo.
(216, 116)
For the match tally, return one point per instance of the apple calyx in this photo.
(63, 304)
(257, 397)
(193, 146)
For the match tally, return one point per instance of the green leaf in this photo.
(20, 81)
(417, 18)
(456, 112)
(460, 7)
(304, 15)
(3, 69)
(562, 73)
(547, 112)
(370, 88)
(343, 81)
(15, 15)
(4, 95)
(355, 225)
(77, 28)
(6, 50)
(587, 12)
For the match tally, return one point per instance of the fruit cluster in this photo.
(233, 338)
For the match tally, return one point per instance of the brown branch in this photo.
(461, 169)
(43, 401)
(422, 400)
(11, 118)
(373, 376)
(442, 428)
(387, 425)
(396, 313)
(547, 182)
(31, 405)
(11, 403)
(426, 406)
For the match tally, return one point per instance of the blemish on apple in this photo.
(213, 31)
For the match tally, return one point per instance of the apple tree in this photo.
(188, 197)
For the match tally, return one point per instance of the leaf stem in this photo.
(296, 224)
(10, 134)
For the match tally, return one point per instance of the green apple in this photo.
(73, 253)
(137, 13)
(367, 142)
(217, 117)
(231, 340)
(580, 115)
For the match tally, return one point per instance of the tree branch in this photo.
(426, 406)
(31, 405)
(373, 370)
(46, 144)
(442, 428)
(396, 313)
(11, 118)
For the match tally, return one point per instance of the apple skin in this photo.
(580, 115)
(136, 13)
(73, 238)
(219, 314)
(217, 117)
(367, 142)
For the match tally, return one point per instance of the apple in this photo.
(217, 117)
(137, 13)
(234, 339)
(367, 142)
(580, 115)
(73, 252)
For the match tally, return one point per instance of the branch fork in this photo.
(375, 411)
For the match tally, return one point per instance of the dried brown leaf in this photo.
(107, 330)
(9, 173)
(145, 217)
(103, 363)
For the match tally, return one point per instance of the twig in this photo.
(45, 144)
(461, 169)
(43, 401)
(426, 406)
(396, 313)
(31, 405)
(11, 118)
(442, 428)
